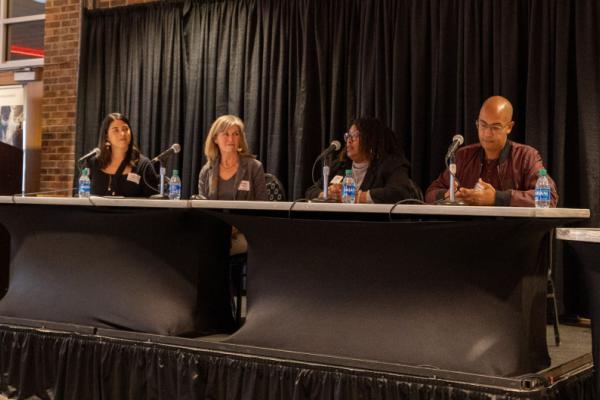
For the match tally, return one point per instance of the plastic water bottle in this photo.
(348, 188)
(542, 190)
(175, 186)
(84, 183)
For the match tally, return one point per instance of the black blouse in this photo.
(142, 181)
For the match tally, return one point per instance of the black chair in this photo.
(417, 192)
(237, 276)
(275, 190)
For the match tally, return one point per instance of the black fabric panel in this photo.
(49, 365)
(588, 255)
(11, 169)
(576, 295)
(132, 62)
(4, 259)
(150, 270)
(466, 296)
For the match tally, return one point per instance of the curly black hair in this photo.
(377, 141)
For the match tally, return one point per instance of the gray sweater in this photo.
(250, 170)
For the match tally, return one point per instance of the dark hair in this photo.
(133, 154)
(377, 141)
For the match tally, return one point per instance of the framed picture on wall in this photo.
(11, 115)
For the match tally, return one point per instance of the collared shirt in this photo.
(489, 172)
(517, 167)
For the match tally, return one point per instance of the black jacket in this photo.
(387, 179)
(145, 184)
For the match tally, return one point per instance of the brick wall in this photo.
(61, 61)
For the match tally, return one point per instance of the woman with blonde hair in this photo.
(231, 172)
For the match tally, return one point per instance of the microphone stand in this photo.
(452, 169)
(451, 200)
(162, 194)
(326, 170)
(325, 180)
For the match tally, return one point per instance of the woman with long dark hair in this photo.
(120, 169)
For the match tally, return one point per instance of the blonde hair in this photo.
(221, 124)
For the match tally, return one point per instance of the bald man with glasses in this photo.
(496, 171)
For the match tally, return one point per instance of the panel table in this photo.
(455, 288)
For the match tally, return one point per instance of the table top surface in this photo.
(591, 235)
(267, 206)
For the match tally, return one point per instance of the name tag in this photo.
(135, 178)
(337, 179)
(245, 186)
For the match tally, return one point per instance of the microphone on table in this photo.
(457, 141)
(93, 153)
(174, 149)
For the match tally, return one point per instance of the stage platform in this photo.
(49, 360)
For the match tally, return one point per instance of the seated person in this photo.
(495, 171)
(231, 172)
(378, 165)
(120, 169)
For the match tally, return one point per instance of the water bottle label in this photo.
(84, 189)
(542, 194)
(348, 193)
(175, 191)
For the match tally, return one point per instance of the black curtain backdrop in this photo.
(298, 71)
(133, 62)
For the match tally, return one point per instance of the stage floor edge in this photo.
(563, 381)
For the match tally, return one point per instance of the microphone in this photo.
(457, 140)
(334, 146)
(93, 153)
(174, 149)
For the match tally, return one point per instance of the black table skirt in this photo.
(467, 296)
(588, 255)
(158, 271)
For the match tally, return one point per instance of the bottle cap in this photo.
(175, 172)
(543, 172)
(85, 171)
(348, 172)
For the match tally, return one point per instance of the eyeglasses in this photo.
(351, 136)
(495, 128)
